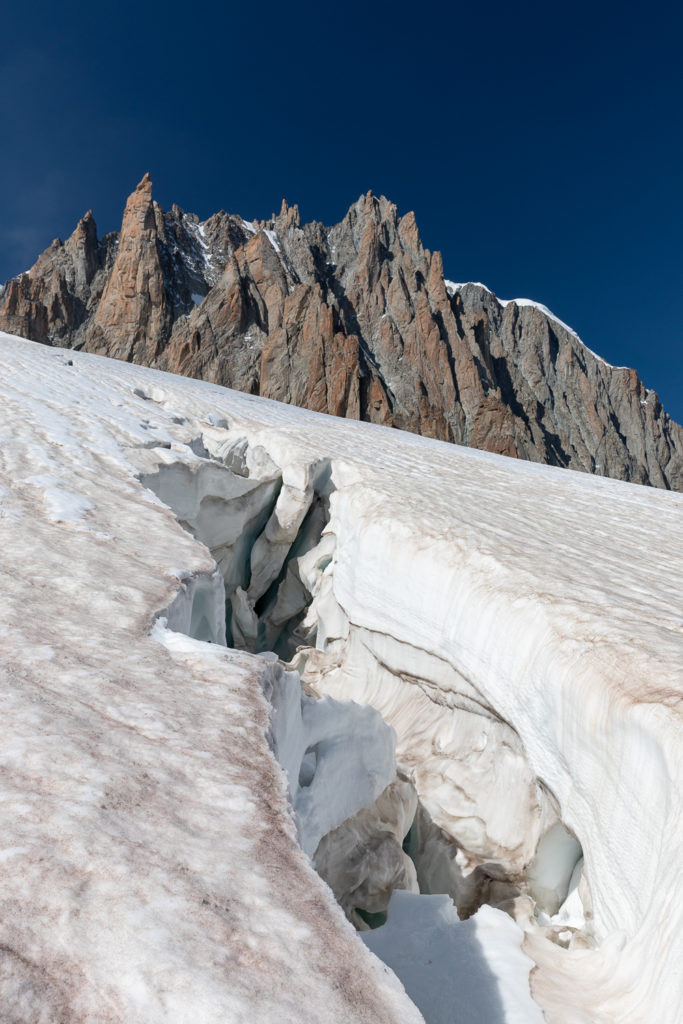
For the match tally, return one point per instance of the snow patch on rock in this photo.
(452, 288)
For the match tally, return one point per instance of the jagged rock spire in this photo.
(356, 320)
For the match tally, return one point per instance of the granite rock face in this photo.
(356, 320)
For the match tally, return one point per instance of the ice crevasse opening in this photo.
(413, 797)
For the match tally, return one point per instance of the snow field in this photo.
(544, 603)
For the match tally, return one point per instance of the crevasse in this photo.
(464, 814)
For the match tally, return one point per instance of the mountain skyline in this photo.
(357, 320)
(537, 150)
(341, 513)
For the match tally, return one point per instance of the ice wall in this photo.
(582, 738)
(481, 812)
(338, 755)
(351, 811)
(423, 635)
(361, 824)
(198, 610)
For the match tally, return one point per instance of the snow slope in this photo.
(542, 608)
(150, 870)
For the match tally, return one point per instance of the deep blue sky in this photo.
(539, 145)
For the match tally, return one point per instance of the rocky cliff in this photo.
(356, 320)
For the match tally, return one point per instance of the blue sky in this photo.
(539, 145)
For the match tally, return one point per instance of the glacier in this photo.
(469, 669)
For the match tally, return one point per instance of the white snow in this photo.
(469, 972)
(452, 287)
(512, 622)
(248, 226)
(272, 238)
(543, 309)
(63, 506)
(198, 609)
(553, 868)
(203, 261)
(352, 762)
(197, 298)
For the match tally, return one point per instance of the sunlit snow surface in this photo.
(150, 870)
(458, 972)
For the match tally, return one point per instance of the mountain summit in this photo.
(356, 320)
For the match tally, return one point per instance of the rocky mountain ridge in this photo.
(356, 320)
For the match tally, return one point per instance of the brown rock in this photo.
(355, 320)
(133, 318)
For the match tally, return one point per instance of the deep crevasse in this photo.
(339, 757)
